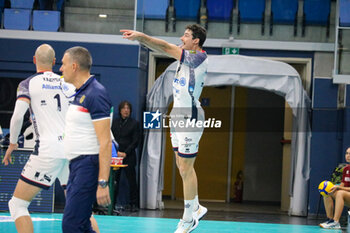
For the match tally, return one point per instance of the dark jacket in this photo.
(127, 133)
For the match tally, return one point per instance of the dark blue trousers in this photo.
(81, 194)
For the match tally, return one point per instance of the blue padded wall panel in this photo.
(346, 129)
(325, 93)
(18, 19)
(46, 20)
(326, 150)
(284, 11)
(327, 121)
(347, 97)
(219, 9)
(22, 4)
(2, 4)
(251, 10)
(118, 55)
(187, 9)
(152, 9)
(324, 157)
(344, 13)
(317, 11)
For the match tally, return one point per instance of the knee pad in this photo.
(18, 208)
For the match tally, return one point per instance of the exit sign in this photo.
(227, 51)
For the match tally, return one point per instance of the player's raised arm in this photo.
(153, 43)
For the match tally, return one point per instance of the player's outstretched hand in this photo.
(130, 34)
(7, 158)
(102, 196)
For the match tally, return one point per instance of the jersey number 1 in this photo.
(57, 96)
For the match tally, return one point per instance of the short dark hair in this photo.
(122, 104)
(81, 56)
(198, 32)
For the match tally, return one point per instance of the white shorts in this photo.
(185, 140)
(186, 144)
(42, 171)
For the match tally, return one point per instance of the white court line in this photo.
(9, 219)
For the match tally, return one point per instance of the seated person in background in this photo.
(126, 132)
(341, 195)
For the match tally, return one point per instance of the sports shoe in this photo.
(327, 221)
(199, 214)
(186, 227)
(331, 225)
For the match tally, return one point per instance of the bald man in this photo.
(42, 94)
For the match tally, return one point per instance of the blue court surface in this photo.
(47, 223)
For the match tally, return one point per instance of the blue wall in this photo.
(116, 67)
(328, 134)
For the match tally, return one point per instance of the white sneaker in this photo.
(199, 214)
(186, 227)
(331, 225)
(326, 222)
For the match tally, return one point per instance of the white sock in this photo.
(188, 210)
(196, 203)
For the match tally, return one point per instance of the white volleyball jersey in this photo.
(48, 107)
(189, 81)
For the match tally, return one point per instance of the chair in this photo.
(251, 11)
(17, 19)
(316, 12)
(220, 9)
(46, 20)
(344, 13)
(22, 4)
(187, 9)
(153, 9)
(284, 12)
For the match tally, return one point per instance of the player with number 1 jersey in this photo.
(48, 107)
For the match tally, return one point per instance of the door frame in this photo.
(306, 78)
